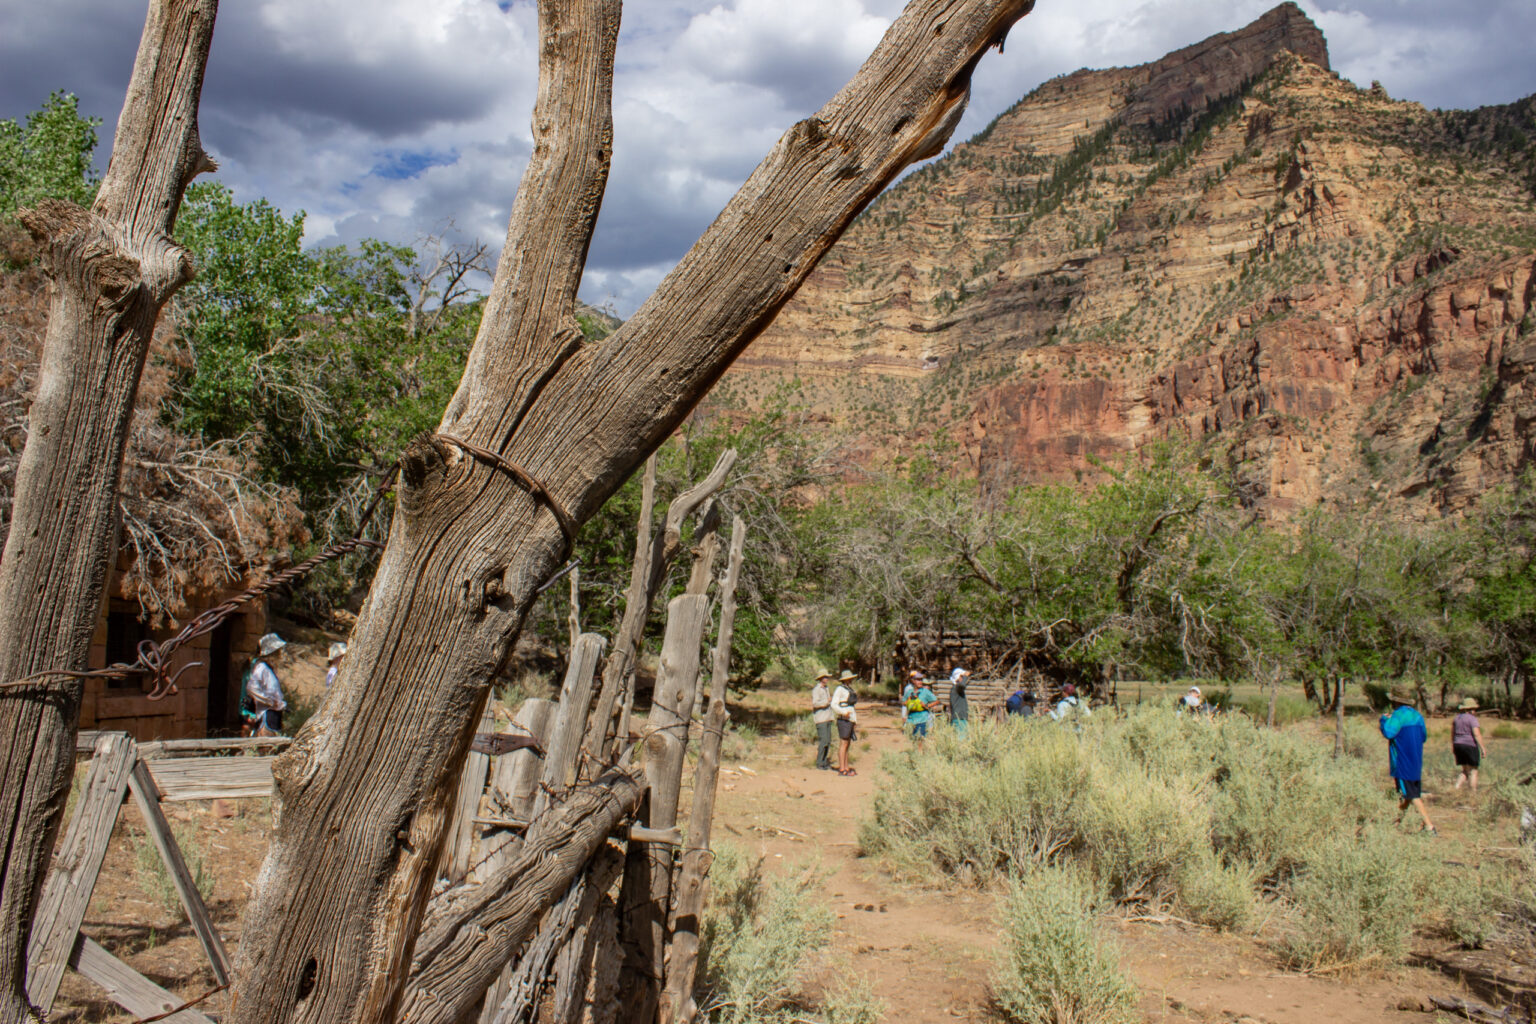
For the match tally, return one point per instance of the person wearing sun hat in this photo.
(1405, 732)
(1467, 743)
(843, 699)
(263, 691)
(822, 716)
(333, 660)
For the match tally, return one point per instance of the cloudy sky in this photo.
(393, 118)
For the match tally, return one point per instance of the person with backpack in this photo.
(843, 700)
(1070, 708)
(920, 710)
(959, 703)
(262, 704)
(1020, 702)
(1405, 733)
(822, 716)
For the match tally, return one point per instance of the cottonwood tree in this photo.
(542, 429)
(112, 268)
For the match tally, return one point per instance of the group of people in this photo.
(834, 707)
(1406, 733)
(261, 691)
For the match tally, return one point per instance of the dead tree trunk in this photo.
(692, 888)
(647, 888)
(649, 571)
(112, 269)
(541, 431)
(469, 941)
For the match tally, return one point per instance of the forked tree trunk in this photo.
(112, 269)
(362, 794)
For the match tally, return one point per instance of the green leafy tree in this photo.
(49, 157)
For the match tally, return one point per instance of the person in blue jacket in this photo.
(1405, 732)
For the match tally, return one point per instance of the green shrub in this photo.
(155, 880)
(1217, 894)
(758, 935)
(1358, 899)
(1289, 709)
(1507, 731)
(1054, 967)
(739, 741)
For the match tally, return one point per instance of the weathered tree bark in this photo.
(462, 953)
(693, 881)
(362, 792)
(112, 269)
(535, 968)
(647, 573)
(646, 892)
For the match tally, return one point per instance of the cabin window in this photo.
(124, 632)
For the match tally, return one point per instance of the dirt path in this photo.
(929, 952)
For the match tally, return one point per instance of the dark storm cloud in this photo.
(391, 118)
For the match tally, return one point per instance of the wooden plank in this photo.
(212, 778)
(127, 987)
(225, 744)
(513, 781)
(67, 892)
(461, 832)
(685, 924)
(147, 796)
(564, 747)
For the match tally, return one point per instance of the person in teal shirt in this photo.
(919, 721)
(1405, 732)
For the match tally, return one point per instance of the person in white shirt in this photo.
(1069, 708)
(264, 691)
(334, 655)
(821, 714)
(847, 720)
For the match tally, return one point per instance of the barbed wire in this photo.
(155, 658)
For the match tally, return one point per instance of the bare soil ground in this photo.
(926, 949)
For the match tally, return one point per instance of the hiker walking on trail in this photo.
(1467, 744)
(333, 658)
(1405, 732)
(821, 714)
(959, 703)
(847, 720)
(262, 702)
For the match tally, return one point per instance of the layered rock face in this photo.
(1332, 289)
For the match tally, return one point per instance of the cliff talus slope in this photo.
(1332, 288)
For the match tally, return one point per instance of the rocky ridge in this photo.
(1230, 243)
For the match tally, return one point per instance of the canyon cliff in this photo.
(1330, 289)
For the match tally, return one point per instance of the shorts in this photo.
(270, 718)
(1467, 755)
(1410, 789)
(919, 729)
(846, 730)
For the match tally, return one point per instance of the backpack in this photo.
(914, 705)
(248, 708)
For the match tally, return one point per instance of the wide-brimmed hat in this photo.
(271, 643)
(1402, 695)
(846, 677)
(824, 674)
(1467, 704)
(1194, 690)
(337, 650)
